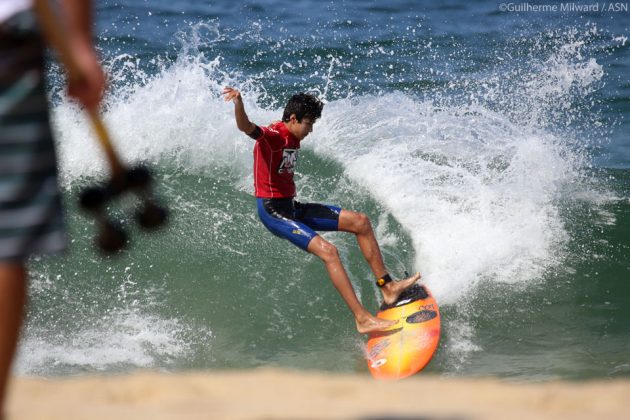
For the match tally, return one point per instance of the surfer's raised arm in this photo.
(242, 120)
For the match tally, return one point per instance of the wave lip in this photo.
(478, 194)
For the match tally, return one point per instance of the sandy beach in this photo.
(282, 394)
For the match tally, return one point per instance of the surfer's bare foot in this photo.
(373, 324)
(393, 289)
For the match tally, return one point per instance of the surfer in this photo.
(275, 158)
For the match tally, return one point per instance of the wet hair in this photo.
(303, 105)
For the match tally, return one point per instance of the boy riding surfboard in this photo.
(275, 158)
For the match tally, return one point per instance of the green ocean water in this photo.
(216, 290)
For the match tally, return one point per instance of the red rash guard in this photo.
(275, 156)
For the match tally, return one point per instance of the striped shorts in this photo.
(31, 218)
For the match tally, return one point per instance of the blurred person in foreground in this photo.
(31, 219)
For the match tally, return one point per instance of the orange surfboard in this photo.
(408, 346)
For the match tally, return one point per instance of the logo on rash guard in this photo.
(289, 159)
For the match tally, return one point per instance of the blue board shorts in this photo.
(295, 221)
(31, 219)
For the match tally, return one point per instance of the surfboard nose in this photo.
(408, 346)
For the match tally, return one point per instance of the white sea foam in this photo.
(477, 194)
(118, 340)
(101, 329)
(178, 116)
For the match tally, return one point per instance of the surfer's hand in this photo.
(231, 94)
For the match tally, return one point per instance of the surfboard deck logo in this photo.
(407, 349)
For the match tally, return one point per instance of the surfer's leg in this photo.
(331, 218)
(328, 253)
(359, 224)
(277, 220)
(12, 299)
